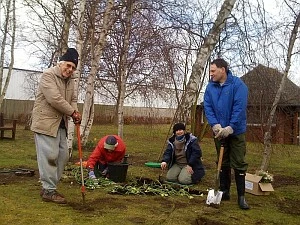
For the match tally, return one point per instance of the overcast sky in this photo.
(25, 61)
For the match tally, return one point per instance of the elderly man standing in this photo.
(225, 105)
(55, 102)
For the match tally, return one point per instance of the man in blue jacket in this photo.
(225, 104)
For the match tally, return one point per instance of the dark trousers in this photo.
(234, 152)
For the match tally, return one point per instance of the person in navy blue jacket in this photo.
(182, 157)
(225, 105)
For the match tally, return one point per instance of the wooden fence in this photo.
(21, 109)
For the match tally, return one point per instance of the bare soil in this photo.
(289, 206)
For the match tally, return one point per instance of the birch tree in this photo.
(210, 41)
(9, 33)
(96, 52)
(268, 135)
(79, 47)
(123, 67)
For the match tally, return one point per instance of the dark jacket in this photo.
(193, 156)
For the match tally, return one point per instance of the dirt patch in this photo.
(11, 176)
(206, 221)
(96, 205)
(289, 206)
(138, 220)
(280, 180)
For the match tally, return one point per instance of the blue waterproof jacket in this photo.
(227, 104)
(193, 156)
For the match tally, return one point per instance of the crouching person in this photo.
(182, 157)
(109, 149)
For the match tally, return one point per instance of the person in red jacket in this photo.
(110, 148)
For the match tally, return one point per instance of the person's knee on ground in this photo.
(173, 173)
(184, 180)
(185, 177)
(171, 177)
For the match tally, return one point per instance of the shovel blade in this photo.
(214, 197)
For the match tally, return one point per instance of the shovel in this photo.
(214, 196)
(80, 158)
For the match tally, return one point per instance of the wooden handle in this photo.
(220, 158)
(79, 140)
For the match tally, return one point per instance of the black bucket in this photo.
(117, 171)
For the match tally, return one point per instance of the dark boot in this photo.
(225, 182)
(240, 187)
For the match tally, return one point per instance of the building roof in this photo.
(263, 83)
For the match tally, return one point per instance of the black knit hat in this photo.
(71, 55)
(178, 126)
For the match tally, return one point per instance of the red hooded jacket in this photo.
(103, 156)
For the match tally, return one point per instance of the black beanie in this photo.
(70, 56)
(178, 126)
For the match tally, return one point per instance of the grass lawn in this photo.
(20, 202)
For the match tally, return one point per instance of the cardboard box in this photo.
(255, 187)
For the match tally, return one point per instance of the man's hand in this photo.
(92, 174)
(163, 165)
(224, 132)
(76, 116)
(216, 128)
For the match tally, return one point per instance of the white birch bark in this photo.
(123, 71)
(88, 107)
(190, 95)
(10, 4)
(268, 134)
(79, 46)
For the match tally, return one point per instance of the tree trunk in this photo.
(123, 69)
(268, 134)
(190, 95)
(88, 107)
(12, 46)
(79, 47)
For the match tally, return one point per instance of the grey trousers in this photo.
(179, 174)
(52, 156)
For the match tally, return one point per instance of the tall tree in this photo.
(9, 34)
(268, 135)
(210, 41)
(123, 66)
(79, 47)
(96, 52)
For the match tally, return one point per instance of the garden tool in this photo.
(214, 196)
(80, 158)
(162, 176)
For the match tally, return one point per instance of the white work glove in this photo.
(92, 174)
(216, 128)
(224, 132)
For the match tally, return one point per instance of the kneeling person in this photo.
(109, 149)
(183, 157)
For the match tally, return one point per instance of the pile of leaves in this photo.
(137, 186)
